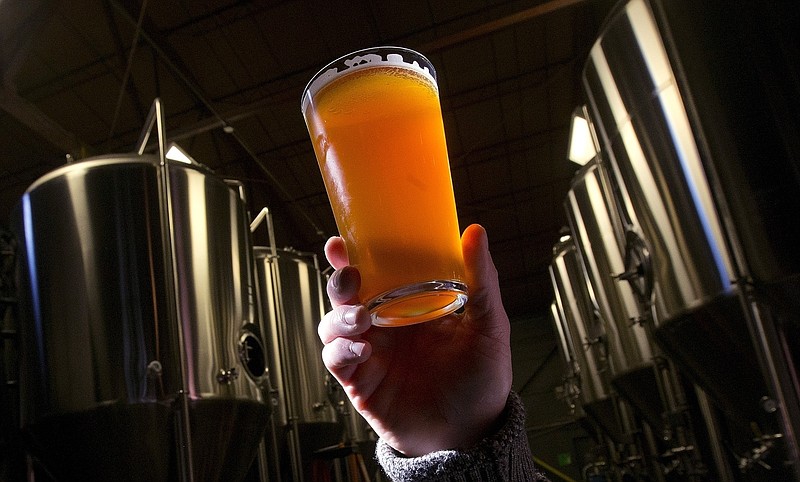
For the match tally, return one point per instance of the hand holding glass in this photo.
(376, 124)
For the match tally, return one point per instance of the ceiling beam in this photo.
(18, 27)
(499, 24)
(36, 120)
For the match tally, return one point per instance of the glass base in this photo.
(418, 303)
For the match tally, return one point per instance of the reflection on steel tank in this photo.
(141, 356)
(694, 105)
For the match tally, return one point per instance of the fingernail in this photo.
(357, 348)
(343, 283)
(348, 278)
(351, 316)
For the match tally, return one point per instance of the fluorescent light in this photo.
(581, 144)
(175, 153)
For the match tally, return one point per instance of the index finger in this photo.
(336, 252)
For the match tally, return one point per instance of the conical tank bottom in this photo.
(710, 344)
(120, 442)
(225, 437)
(136, 442)
(640, 387)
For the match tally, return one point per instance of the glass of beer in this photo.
(376, 124)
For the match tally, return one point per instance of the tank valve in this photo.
(769, 405)
(226, 377)
(638, 266)
(154, 368)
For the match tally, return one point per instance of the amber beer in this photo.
(376, 125)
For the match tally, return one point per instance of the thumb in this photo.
(485, 304)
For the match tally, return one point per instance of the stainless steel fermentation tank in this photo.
(291, 306)
(141, 358)
(312, 413)
(666, 405)
(578, 326)
(599, 239)
(581, 341)
(621, 446)
(650, 396)
(696, 107)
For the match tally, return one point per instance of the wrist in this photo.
(459, 435)
(460, 431)
(466, 437)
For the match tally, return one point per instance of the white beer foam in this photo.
(356, 61)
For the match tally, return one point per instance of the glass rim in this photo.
(359, 60)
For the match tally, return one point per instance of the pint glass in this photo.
(376, 124)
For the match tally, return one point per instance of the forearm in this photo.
(503, 456)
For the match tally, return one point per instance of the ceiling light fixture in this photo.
(175, 153)
(582, 147)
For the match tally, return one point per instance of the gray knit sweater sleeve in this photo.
(504, 456)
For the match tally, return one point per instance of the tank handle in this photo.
(154, 118)
(263, 215)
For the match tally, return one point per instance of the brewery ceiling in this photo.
(79, 77)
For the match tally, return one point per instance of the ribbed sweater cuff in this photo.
(503, 456)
